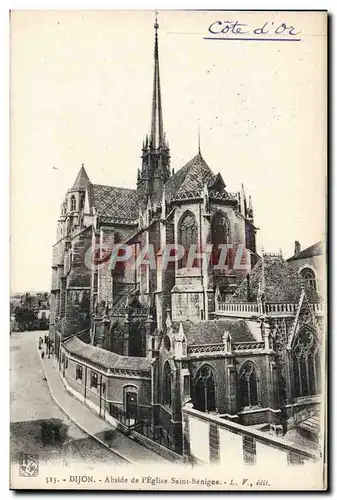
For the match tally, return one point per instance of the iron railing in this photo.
(156, 434)
(129, 419)
(133, 421)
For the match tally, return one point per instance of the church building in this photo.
(144, 324)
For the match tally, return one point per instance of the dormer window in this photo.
(72, 204)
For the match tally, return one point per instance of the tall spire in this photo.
(243, 201)
(157, 133)
(155, 169)
(250, 209)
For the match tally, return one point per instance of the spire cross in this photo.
(156, 25)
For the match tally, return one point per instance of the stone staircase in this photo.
(309, 425)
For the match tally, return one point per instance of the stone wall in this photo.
(208, 438)
(79, 274)
(107, 238)
(317, 264)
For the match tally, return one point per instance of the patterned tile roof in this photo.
(282, 283)
(316, 249)
(112, 201)
(216, 179)
(105, 358)
(189, 178)
(211, 332)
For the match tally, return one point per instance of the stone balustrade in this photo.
(248, 308)
(248, 346)
(281, 308)
(317, 308)
(242, 307)
(237, 346)
(198, 349)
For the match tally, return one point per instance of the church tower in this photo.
(155, 168)
(72, 208)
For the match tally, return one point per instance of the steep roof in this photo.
(211, 332)
(115, 201)
(189, 178)
(112, 201)
(280, 281)
(316, 249)
(82, 179)
(104, 358)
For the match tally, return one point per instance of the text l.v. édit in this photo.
(267, 31)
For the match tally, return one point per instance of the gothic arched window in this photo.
(82, 198)
(306, 363)
(72, 203)
(137, 339)
(116, 339)
(249, 382)
(204, 392)
(309, 277)
(167, 385)
(220, 231)
(187, 235)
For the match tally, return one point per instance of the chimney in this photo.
(297, 250)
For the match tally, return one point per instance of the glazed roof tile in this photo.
(212, 331)
(282, 283)
(111, 201)
(191, 177)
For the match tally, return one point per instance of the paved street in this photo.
(38, 425)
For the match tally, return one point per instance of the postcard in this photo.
(168, 259)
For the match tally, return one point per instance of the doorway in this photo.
(130, 405)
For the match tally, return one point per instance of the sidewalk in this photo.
(94, 426)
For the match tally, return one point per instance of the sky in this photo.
(81, 88)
